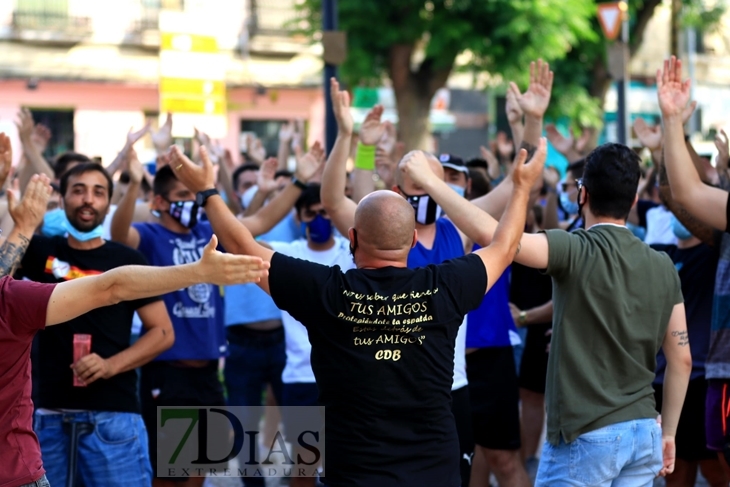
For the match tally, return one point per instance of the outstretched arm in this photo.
(340, 209)
(127, 283)
(706, 203)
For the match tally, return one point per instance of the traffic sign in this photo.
(610, 18)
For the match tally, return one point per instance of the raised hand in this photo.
(309, 164)
(195, 178)
(415, 165)
(525, 174)
(389, 139)
(40, 137)
(6, 158)
(287, 131)
(341, 107)
(561, 143)
(673, 94)
(25, 124)
(265, 179)
(133, 137)
(225, 269)
(514, 112)
(723, 150)
(505, 146)
(650, 137)
(372, 129)
(162, 139)
(257, 151)
(29, 213)
(534, 102)
(581, 142)
(134, 167)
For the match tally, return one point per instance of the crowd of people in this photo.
(436, 307)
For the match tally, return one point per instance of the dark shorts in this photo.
(164, 384)
(717, 418)
(298, 418)
(495, 397)
(461, 410)
(690, 438)
(533, 367)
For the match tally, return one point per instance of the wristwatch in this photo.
(201, 198)
(522, 319)
(299, 184)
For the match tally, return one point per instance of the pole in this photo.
(692, 58)
(329, 23)
(623, 86)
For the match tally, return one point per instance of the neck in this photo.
(88, 245)
(688, 243)
(595, 220)
(383, 258)
(320, 247)
(173, 225)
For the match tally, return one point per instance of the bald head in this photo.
(402, 180)
(384, 223)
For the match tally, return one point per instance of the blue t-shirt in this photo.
(446, 245)
(196, 312)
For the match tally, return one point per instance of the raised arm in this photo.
(676, 379)
(38, 165)
(371, 131)
(706, 203)
(340, 209)
(127, 283)
(122, 230)
(514, 117)
(477, 224)
(122, 158)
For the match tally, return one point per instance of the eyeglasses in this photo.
(566, 186)
(579, 183)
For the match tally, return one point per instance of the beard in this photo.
(85, 226)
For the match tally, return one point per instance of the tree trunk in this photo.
(675, 26)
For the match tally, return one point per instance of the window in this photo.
(61, 124)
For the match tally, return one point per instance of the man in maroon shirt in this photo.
(26, 307)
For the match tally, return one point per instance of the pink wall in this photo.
(105, 111)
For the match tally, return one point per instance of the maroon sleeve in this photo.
(23, 304)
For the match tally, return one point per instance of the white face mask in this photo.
(247, 196)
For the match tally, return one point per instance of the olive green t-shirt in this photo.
(612, 297)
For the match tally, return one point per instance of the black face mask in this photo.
(427, 211)
(185, 212)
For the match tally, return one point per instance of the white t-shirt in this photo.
(298, 367)
(460, 359)
(659, 227)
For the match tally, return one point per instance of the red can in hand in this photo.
(82, 348)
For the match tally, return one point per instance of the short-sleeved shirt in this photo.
(52, 260)
(23, 307)
(382, 354)
(612, 297)
(717, 365)
(196, 312)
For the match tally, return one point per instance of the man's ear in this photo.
(415, 238)
(158, 203)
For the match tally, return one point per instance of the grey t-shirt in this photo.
(612, 296)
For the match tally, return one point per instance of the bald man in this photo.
(382, 335)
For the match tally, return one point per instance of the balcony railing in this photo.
(270, 17)
(48, 16)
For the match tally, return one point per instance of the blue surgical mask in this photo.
(54, 223)
(459, 190)
(320, 229)
(680, 231)
(569, 206)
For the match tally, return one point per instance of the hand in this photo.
(534, 102)
(669, 451)
(286, 132)
(226, 269)
(385, 168)
(29, 213)
(341, 107)
(415, 165)
(524, 175)
(561, 143)
(650, 137)
(201, 137)
(195, 178)
(40, 137)
(515, 314)
(505, 146)
(162, 139)
(265, 178)
(688, 111)
(133, 137)
(581, 143)
(6, 158)
(673, 94)
(134, 167)
(372, 129)
(92, 367)
(551, 177)
(310, 163)
(514, 112)
(298, 138)
(488, 156)
(257, 151)
(25, 124)
(723, 150)
(389, 139)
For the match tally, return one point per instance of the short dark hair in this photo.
(477, 162)
(83, 168)
(242, 169)
(284, 173)
(577, 168)
(310, 196)
(63, 161)
(479, 184)
(611, 178)
(164, 180)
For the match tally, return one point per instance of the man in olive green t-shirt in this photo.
(616, 302)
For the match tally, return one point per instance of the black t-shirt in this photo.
(383, 358)
(697, 267)
(529, 287)
(51, 260)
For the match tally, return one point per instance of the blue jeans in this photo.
(41, 482)
(114, 454)
(627, 454)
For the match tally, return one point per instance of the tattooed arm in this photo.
(12, 251)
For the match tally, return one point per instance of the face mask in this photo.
(54, 223)
(427, 211)
(320, 229)
(680, 231)
(571, 207)
(459, 190)
(83, 236)
(185, 212)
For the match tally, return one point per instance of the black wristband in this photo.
(299, 184)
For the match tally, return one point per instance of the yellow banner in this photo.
(182, 86)
(186, 104)
(188, 43)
